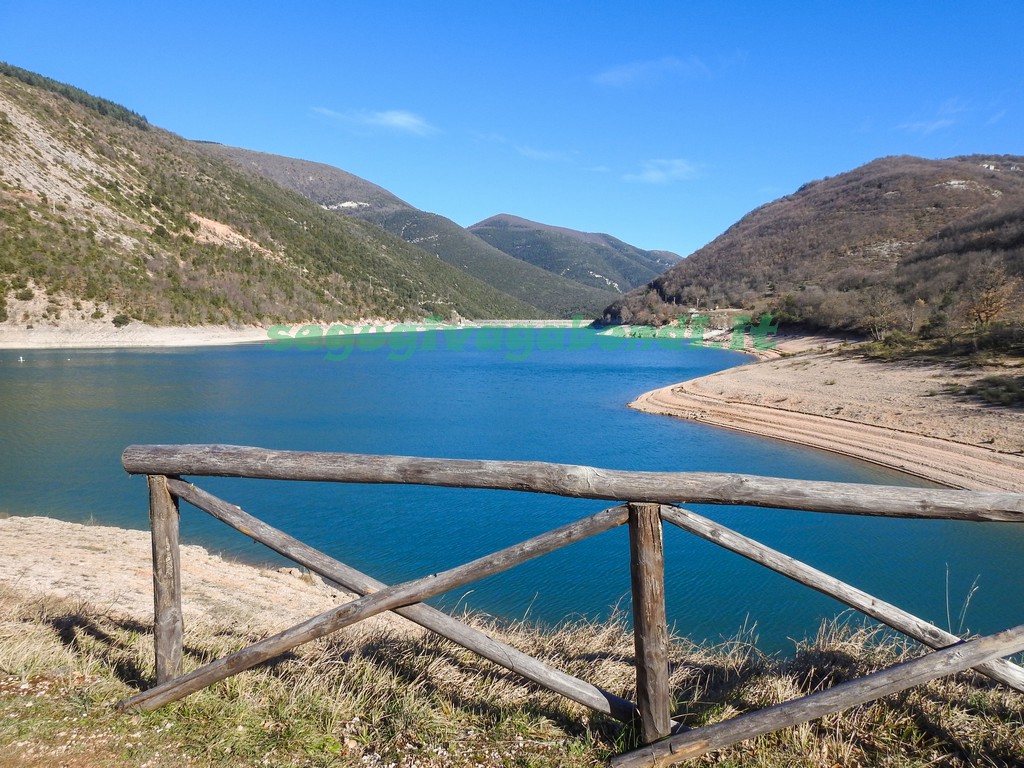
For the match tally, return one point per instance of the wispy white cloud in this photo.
(546, 155)
(397, 120)
(954, 106)
(528, 151)
(645, 72)
(926, 127)
(946, 116)
(491, 138)
(996, 117)
(664, 171)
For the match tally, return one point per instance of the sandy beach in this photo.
(56, 321)
(88, 334)
(105, 335)
(898, 415)
(111, 569)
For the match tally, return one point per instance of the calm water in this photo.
(67, 415)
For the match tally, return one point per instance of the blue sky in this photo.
(661, 123)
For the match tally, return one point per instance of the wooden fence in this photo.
(651, 498)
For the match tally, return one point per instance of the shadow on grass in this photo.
(114, 642)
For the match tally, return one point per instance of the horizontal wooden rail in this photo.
(386, 599)
(575, 481)
(650, 498)
(897, 678)
(430, 618)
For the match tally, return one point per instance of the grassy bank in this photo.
(390, 696)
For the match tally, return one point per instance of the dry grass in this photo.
(394, 697)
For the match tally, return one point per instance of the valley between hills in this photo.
(118, 233)
(897, 287)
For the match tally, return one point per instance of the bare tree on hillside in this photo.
(988, 293)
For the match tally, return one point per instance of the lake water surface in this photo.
(68, 414)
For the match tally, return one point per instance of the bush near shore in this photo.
(387, 696)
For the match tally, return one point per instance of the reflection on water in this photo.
(67, 415)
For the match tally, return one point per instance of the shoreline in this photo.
(106, 336)
(112, 567)
(898, 416)
(103, 335)
(92, 334)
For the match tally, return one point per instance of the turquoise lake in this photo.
(68, 414)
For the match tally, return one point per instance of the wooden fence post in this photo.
(167, 620)
(650, 631)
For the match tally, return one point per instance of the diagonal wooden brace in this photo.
(426, 616)
(957, 658)
(387, 599)
(1001, 670)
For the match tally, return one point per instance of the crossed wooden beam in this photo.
(404, 599)
(665, 741)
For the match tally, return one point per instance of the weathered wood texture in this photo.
(430, 618)
(645, 492)
(167, 619)
(650, 630)
(386, 599)
(575, 481)
(897, 678)
(1004, 671)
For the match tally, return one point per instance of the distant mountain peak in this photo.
(590, 258)
(343, 193)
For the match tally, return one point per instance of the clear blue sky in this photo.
(661, 123)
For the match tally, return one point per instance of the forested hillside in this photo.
(590, 258)
(105, 216)
(352, 197)
(933, 248)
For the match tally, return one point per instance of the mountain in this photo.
(593, 259)
(103, 215)
(340, 192)
(896, 244)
